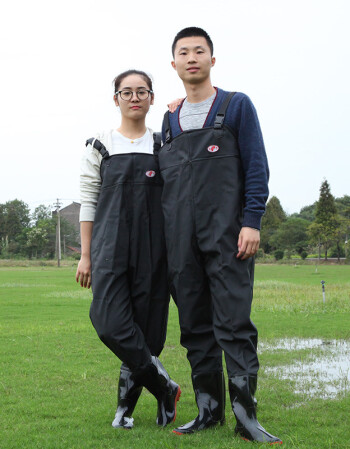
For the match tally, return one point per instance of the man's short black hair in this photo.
(191, 32)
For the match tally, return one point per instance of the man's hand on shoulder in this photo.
(248, 242)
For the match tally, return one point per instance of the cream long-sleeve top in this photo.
(90, 178)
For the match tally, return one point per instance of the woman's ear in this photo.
(115, 98)
(152, 99)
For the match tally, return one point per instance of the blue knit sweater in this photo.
(242, 119)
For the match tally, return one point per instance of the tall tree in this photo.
(14, 220)
(325, 207)
(271, 221)
(37, 239)
(324, 229)
(42, 212)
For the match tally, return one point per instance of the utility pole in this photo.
(58, 233)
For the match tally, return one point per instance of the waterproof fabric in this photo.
(129, 270)
(203, 201)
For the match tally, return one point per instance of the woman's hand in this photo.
(83, 274)
(174, 104)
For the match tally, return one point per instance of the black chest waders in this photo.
(203, 200)
(129, 271)
(129, 279)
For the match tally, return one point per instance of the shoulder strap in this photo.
(157, 142)
(98, 146)
(220, 116)
(168, 136)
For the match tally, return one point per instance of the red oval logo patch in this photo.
(213, 148)
(150, 173)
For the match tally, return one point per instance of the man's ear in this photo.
(213, 60)
(173, 65)
(115, 98)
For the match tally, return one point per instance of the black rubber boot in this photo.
(128, 394)
(242, 390)
(209, 389)
(157, 381)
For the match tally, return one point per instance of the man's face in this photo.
(192, 59)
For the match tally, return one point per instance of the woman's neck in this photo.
(132, 129)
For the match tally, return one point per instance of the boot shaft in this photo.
(209, 389)
(242, 390)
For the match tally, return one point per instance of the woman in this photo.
(123, 250)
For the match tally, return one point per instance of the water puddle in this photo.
(325, 372)
(292, 344)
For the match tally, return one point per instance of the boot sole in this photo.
(270, 444)
(221, 423)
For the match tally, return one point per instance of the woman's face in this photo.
(134, 108)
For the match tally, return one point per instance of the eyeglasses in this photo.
(141, 94)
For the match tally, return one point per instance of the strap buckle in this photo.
(219, 121)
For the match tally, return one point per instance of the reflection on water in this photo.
(325, 372)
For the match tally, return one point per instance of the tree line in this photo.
(322, 228)
(31, 235)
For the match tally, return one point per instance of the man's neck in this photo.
(196, 93)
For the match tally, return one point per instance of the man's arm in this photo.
(243, 119)
(254, 164)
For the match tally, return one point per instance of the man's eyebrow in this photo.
(196, 47)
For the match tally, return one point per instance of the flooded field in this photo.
(323, 371)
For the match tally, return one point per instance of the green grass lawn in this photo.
(58, 381)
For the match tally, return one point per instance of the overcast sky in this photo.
(58, 60)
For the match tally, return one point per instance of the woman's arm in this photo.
(90, 185)
(83, 274)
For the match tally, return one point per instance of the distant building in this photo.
(71, 214)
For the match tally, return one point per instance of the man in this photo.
(215, 174)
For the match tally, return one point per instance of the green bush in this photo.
(303, 255)
(278, 254)
(334, 252)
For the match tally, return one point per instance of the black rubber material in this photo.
(209, 391)
(242, 390)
